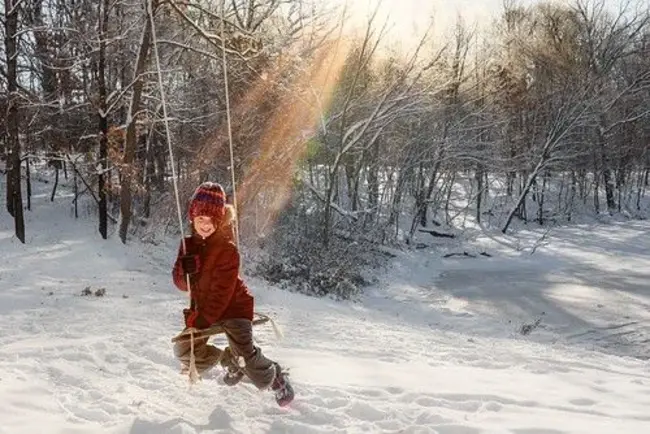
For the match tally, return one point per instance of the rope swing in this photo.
(194, 333)
(193, 373)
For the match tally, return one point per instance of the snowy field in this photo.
(435, 347)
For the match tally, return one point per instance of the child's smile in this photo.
(204, 226)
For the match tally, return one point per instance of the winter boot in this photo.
(232, 377)
(284, 393)
(234, 373)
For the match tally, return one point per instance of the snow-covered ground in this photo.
(435, 347)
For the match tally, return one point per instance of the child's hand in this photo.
(194, 319)
(190, 264)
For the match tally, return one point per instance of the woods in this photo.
(541, 116)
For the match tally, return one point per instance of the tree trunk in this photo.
(522, 211)
(561, 194)
(639, 191)
(527, 186)
(373, 179)
(535, 191)
(540, 200)
(450, 189)
(609, 189)
(351, 185)
(621, 181)
(29, 184)
(333, 182)
(597, 194)
(402, 176)
(56, 182)
(161, 167)
(479, 176)
(46, 59)
(572, 197)
(607, 172)
(511, 176)
(102, 120)
(422, 199)
(126, 193)
(14, 194)
(76, 196)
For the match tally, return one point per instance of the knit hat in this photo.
(209, 199)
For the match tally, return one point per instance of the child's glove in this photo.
(194, 319)
(190, 264)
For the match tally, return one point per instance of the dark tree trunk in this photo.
(14, 194)
(351, 185)
(402, 178)
(540, 199)
(450, 189)
(423, 197)
(29, 184)
(100, 74)
(608, 179)
(596, 194)
(76, 196)
(609, 189)
(639, 191)
(478, 175)
(572, 197)
(56, 182)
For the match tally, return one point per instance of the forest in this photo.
(331, 138)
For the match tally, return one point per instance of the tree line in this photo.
(540, 116)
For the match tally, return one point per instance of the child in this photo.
(218, 295)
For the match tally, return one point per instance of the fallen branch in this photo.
(469, 255)
(437, 234)
(449, 255)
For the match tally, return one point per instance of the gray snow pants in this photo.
(259, 369)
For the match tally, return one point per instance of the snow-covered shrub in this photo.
(297, 259)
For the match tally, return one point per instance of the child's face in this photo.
(204, 226)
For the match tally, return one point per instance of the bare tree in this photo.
(570, 115)
(128, 170)
(14, 193)
(607, 41)
(102, 114)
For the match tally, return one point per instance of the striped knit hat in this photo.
(209, 199)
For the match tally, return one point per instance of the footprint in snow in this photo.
(583, 401)
(537, 431)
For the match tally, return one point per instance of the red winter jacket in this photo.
(218, 292)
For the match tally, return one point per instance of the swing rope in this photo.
(193, 373)
(227, 92)
(262, 318)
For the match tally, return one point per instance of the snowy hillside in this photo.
(556, 342)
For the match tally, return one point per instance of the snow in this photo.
(434, 347)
